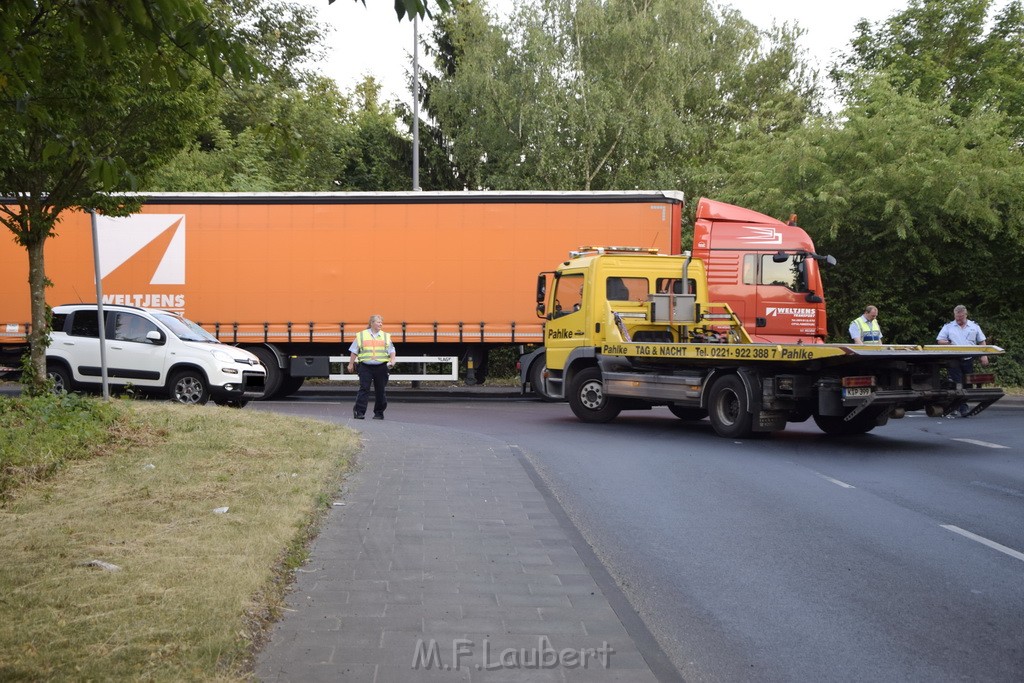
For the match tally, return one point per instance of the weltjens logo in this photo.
(142, 260)
(773, 311)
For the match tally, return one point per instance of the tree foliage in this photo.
(952, 51)
(95, 95)
(590, 94)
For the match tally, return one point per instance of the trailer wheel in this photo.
(836, 425)
(289, 385)
(728, 408)
(274, 374)
(687, 413)
(588, 400)
(189, 387)
(232, 402)
(537, 371)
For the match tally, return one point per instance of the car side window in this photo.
(133, 328)
(84, 324)
(59, 319)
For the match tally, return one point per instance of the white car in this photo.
(153, 351)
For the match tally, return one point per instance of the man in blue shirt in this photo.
(961, 332)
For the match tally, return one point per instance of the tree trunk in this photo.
(39, 339)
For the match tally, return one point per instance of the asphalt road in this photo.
(892, 556)
(898, 555)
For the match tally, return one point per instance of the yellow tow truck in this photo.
(628, 328)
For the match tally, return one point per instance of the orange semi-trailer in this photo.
(293, 277)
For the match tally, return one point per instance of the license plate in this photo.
(855, 392)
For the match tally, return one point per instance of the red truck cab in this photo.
(766, 270)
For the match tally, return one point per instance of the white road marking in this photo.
(837, 482)
(984, 541)
(986, 444)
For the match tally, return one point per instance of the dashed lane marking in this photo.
(986, 444)
(985, 541)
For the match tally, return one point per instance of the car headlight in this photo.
(222, 356)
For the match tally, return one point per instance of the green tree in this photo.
(95, 95)
(596, 94)
(951, 51)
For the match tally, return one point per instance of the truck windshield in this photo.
(568, 294)
(184, 329)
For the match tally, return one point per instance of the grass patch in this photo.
(195, 588)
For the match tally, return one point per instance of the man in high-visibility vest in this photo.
(374, 354)
(865, 329)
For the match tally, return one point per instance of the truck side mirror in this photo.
(541, 311)
(780, 257)
(542, 288)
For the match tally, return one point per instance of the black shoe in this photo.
(378, 417)
(357, 416)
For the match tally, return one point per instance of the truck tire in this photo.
(727, 408)
(537, 371)
(688, 413)
(289, 385)
(274, 373)
(232, 402)
(588, 400)
(188, 387)
(61, 378)
(836, 425)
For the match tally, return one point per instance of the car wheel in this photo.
(588, 400)
(61, 378)
(189, 387)
(728, 408)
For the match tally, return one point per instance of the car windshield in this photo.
(184, 329)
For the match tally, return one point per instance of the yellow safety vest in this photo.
(870, 332)
(373, 350)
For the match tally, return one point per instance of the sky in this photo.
(370, 40)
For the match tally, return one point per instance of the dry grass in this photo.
(195, 586)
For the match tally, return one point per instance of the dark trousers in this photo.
(378, 374)
(959, 368)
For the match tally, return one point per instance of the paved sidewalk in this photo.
(446, 555)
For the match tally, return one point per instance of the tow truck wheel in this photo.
(588, 400)
(537, 371)
(728, 408)
(687, 413)
(836, 425)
